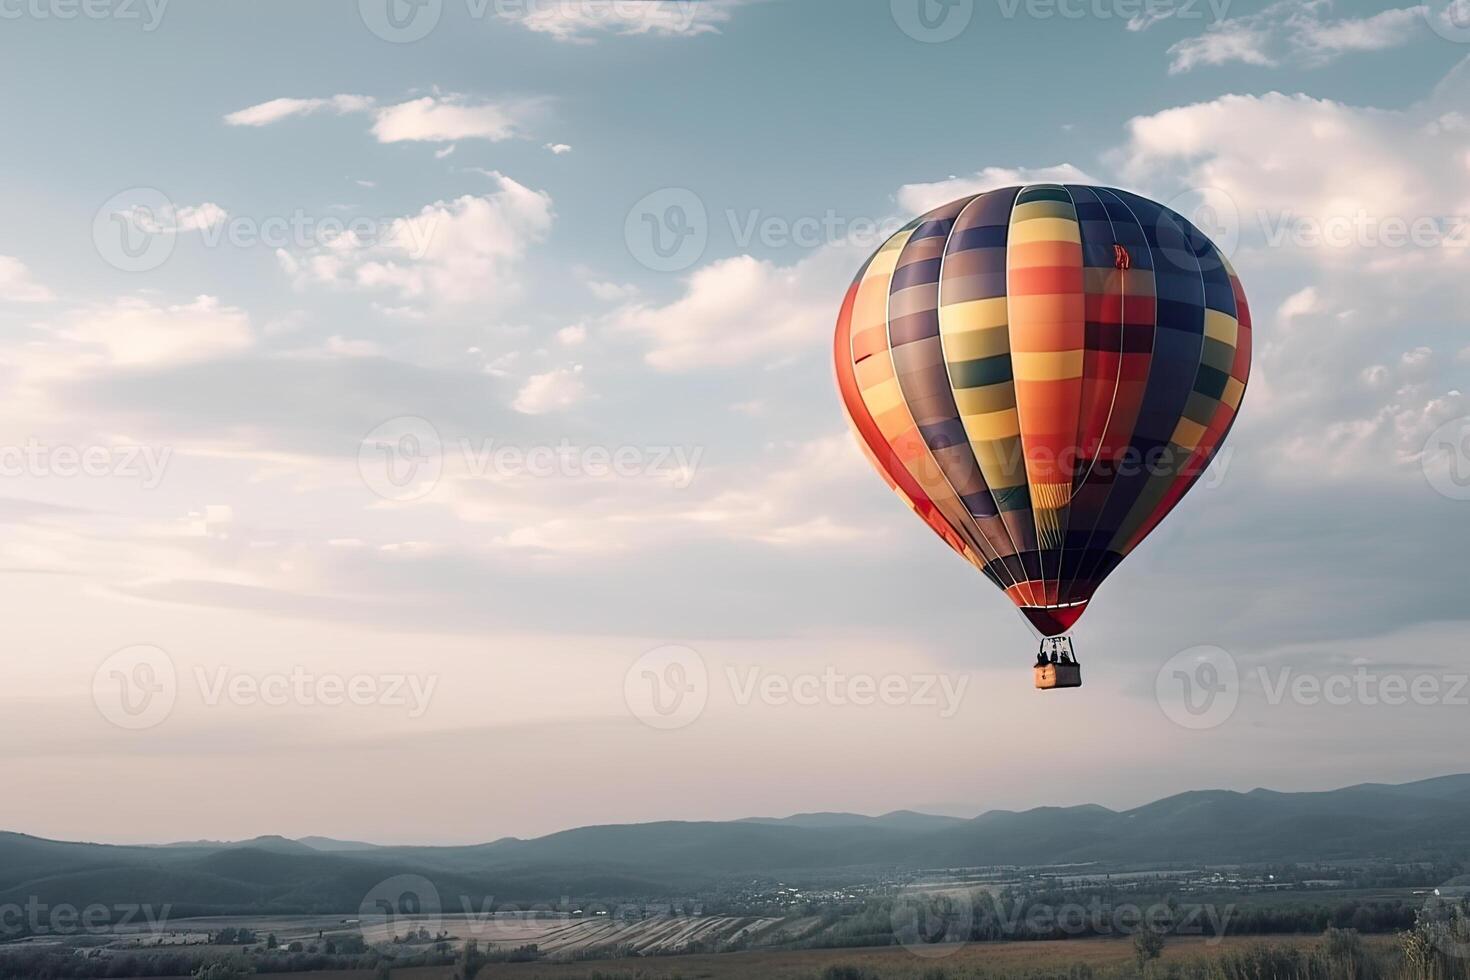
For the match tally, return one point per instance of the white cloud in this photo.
(438, 118)
(1416, 363)
(577, 21)
(918, 198)
(200, 217)
(339, 346)
(558, 148)
(168, 217)
(1288, 162)
(444, 119)
(1300, 303)
(1290, 31)
(1323, 40)
(741, 310)
(572, 336)
(1222, 43)
(457, 251)
(552, 391)
(136, 332)
(611, 292)
(277, 109)
(96, 341)
(18, 285)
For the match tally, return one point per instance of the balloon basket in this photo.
(1056, 665)
(1054, 676)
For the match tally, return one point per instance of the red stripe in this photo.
(863, 422)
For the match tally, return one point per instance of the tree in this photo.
(1147, 946)
(270, 941)
(470, 961)
(224, 970)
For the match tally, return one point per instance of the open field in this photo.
(975, 959)
(889, 961)
(553, 933)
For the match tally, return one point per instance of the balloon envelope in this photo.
(1041, 373)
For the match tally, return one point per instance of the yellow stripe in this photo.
(1044, 230)
(1187, 434)
(884, 396)
(1032, 210)
(1000, 461)
(986, 399)
(974, 345)
(1234, 390)
(1221, 326)
(1047, 365)
(886, 259)
(992, 425)
(972, 314)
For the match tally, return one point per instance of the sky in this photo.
(420, 423)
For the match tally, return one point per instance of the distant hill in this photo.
(328, 844)
(901, 819)
(1427, 820)
(270, 842)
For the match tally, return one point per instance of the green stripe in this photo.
(1044, 192)
(1218, 354)
(1201, 408)
(1210, 381)
(980, 373)
(1011, 498)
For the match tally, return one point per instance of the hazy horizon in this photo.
(931, 810)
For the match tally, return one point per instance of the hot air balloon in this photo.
(1041, 373)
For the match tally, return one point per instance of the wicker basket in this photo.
(1058, 675)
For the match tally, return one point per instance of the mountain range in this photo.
(1425, 820)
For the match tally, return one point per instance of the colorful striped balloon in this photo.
(1041, 373)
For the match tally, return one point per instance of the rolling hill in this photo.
(1426, 820)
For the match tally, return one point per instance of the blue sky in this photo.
(251, 248)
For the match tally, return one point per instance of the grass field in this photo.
(1021, 959)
